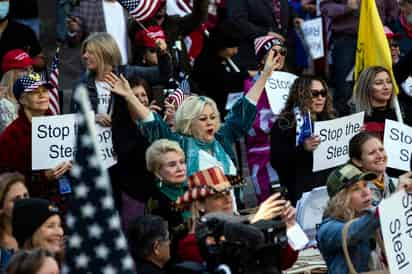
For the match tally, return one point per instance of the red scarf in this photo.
(406, 26)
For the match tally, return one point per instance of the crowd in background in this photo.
(159, 74)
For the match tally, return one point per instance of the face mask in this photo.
(4, 9)
(409, 19)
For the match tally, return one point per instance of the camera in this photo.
(226, 242)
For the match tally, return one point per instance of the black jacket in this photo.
(293, 163)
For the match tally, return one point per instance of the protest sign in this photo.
(334, 136)
(53, 141)
(277, 89)
(398, 144)
(313, 35)
(104, 141)
(395, 214)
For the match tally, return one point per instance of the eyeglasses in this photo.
(316, 93)
(281, 51)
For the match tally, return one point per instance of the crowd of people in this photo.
(159, 77)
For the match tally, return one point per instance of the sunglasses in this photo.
(282, 51)
(316, 93)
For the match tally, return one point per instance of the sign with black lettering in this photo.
(54, 141)
(313, 34)
(398, 144)
(395, 215)
(335, 134)
(277, 89)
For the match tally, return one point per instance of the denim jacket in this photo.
(360, 233)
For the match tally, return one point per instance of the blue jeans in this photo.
(343, 58)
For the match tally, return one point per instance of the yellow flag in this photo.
(373, 48)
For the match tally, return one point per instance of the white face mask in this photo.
(4, 9)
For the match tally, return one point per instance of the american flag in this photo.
(95, 242)
(54, 81)
(141, 10)
(176, 97)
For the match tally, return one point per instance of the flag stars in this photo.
(76, 171)
(81, 191)
(93, 161)
(82, 260)
(88, 210)
(70, 220)
(121, 243)
(114, 222)
(109, 270)
(102, 251)
(102, 182)
(75, 241)
(95, 231)
(127, 263)
(107, 202)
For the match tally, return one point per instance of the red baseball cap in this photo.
(389, 33)
(16, 59)
(148, 37)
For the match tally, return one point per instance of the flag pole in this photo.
(397, 109)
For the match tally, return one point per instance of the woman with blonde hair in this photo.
(374, 94)
(15, 64)
(292, 140)
(198, 130)
(101, 56)
(350, 197)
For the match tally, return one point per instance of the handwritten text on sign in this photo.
(277, 89)
(334, 136)
(54, 138)
(395, 215)
(398, 144)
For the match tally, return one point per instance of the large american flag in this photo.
(54, 80)
(95, 242)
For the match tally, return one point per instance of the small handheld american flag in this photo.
(176, 97)
(54, 81)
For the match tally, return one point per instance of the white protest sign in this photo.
(313, 34)
(395, 214)
(398, 143)
(104, 141)
(277, 89)
(334, 140)
(53, 139)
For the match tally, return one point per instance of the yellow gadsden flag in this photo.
(373, 48)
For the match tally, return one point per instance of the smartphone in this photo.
(275, 187)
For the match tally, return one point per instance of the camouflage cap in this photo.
(346, 176)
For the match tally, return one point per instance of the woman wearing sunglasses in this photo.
(292, 140)
(258, 140)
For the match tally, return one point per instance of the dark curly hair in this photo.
(300, 96)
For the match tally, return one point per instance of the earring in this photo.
(160, 182)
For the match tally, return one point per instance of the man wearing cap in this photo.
(14, 35)
(31, 91)
(350, 197)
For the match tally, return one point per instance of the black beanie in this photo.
(28, 215)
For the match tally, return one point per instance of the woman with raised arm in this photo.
(199, 131)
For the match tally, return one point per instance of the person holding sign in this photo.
(374, 95)
(15, 142)
(292, 141)
(366, 152)
(206, 143)
(258, 140)
(350, 197)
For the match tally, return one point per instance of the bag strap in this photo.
(345, 230)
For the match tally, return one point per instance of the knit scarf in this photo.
(173, 191)
(214, 148)
(303, 126)
(405, 25)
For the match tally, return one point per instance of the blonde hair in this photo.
(105, 48)
(364, 89)
(8, 80)
(190, 109)
(339, 206)
(157, 150)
